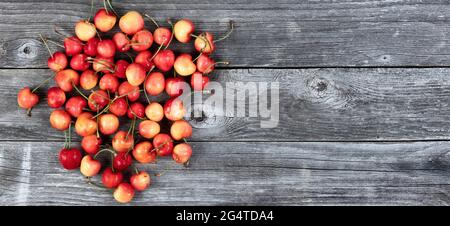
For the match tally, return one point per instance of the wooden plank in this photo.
(315, 105)
(230, 173)
(286, 33)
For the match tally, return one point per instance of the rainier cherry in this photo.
(90, 48)
(111, 179)
(119, 107)
(72, 45)
(140, 181)
(98, 100)
(142, 40)
(66, 78)
(104, 20)
(89, 167)
(60, 119)
(144, 58)
(175, 86)
(121, 67)
(75, 105)
(88, 79)
(164, 60)
(121, 41)
(85, 30)
(122, 142)
(199, 81)
(105, 65)
(154, 85)
(27, 99)
(57, 62)
(131, 22)
(108, 124)
(136, 110)
(91, 144)
(143, 152)
(174, 109)
(183, 30)
(182, 153)
(56, 97)
(106, 48)
(154, 111)
(131, 91)
(124, 193)
(79, 62)
(180, 129)
(163, 144)
(135, 74)
(109, 82)
(183, 65)
(85, 125)
(70, 159)
(204, 43)
(149, 129)
(162, 36)
(122, 161)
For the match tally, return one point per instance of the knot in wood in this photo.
(27, 50)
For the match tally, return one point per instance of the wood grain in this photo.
(286, 33)
(338, 104)
(233, 173)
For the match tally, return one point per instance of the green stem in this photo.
(228, 34)
(42, 83)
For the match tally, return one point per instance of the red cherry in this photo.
(162, 36)
(136, 109)
(182, 153)
(199, 81)
(175, 86)
(144, 59)
(111, 179)
(121, 41)
(66, 78)
(204, 43)
(155, 83)
(164, 60)
(104, 21)
(132, 92)
(142, 40)
(75, 106)
(205, 64)
(106, 48)
(174, 109)
(135, 74)
(70, 159)
(26, 99)
(79, 62)
(60, 119)
(73, 46)
(140, 181)
(98, 100)
(121, 67)
(88, 79)
(124, 193)
(163, 144)
(109, 82)
(56, 97)
(122, 161)
(91, 144)
(105, 65)
(57, 62)
(119, 107)
(90, 48)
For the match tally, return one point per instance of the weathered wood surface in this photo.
(315, 105)
(288, 33)
(261, 173)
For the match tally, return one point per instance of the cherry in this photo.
(98, 100)
(162, 36)
(57, 62)
(105, 65)
(75, 106)
(182, 153)
(90, 48)
(154, 85)
(175, 86)
(140, 181)
(136, 110)
(122, 161)
(199, 81)
(66, 78)
(91, 144)
(108, 124)
(60, 119)
(88, 79)
(119, 107)
(85, 124)
(131, 22)
(205, 64)
(184, 66)
(154, 111)
(79, 62)
(89, 167)
(142, 40)
(109, 82)
(106, 48)
(164, 60)
(27, 99)
(85, 30)
(104, 21)
(174, 109)
(131, 91)
(124, 193)
(183, 30)
(135, 74)
(145, 59)
(180, 129)
(73, 46)
(143, 152)
(163, 144)
(121, 41)
(121, 67)
(56, 97)
(204, 43)
(111, 179)
(70, 159)
(122, 141)
(149, 129)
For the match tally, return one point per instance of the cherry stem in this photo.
(42, 83)
(156, 53)
(79, 91)
(103, 150)
(103, 63)
(90, 182)
(92, 10)
(70, 135)
(129, 56)
(159, 146)
(206, 41)
(97, 119)
(136, 170)
(131, 129)
(98, 35)
(200, 54)
(46, 45)
(171, 37)
(228, 34)
(146, 77)
(216, 63)
(104, 6)
(126, 94)
(153, 20)
(55, 43)
(29, 112)
(65, 36)
(65, 139)
(111, 7)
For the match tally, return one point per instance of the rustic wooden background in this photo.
(364, 106)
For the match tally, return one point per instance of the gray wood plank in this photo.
(315, 105)
(286, 33)
(238, 173)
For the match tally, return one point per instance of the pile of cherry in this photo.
(114, 87)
